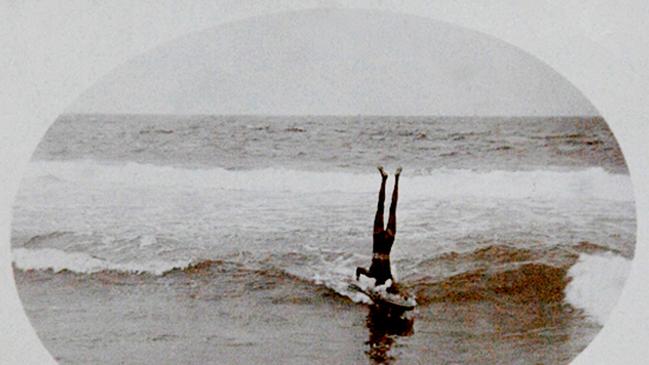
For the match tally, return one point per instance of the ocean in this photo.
(149, 239)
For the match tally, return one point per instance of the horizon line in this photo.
(341, 115)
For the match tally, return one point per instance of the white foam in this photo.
(335, 274)
(592, 183)
(336, 277)
(338, 273)
(597, 282)
(78, 262)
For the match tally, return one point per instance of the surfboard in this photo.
(383, 299)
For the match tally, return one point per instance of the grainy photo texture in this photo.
(217, 200)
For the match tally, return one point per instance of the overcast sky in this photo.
(338, 62)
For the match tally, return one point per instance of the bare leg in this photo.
(392, 221)
(378, 219)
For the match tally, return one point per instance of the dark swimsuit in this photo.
(380, 268)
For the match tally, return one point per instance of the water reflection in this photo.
(385, 328)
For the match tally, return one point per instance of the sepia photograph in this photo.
(327, 186)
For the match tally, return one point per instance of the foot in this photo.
(398, 172)
(382, 171)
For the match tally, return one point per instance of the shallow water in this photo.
(260, 318)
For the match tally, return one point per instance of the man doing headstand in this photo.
(383, 238)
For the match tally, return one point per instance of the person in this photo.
(383, 238)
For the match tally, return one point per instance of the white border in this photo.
(52, 51)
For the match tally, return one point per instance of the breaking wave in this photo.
(82, 263)
(529, 282)
(596, 283)
(590, 282)
(592, 183)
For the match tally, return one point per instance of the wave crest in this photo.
(497, 273)
(82, 263)
(592, 183)
(596, 283)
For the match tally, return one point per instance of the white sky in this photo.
(335, 62)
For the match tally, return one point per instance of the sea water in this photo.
(137, 237)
